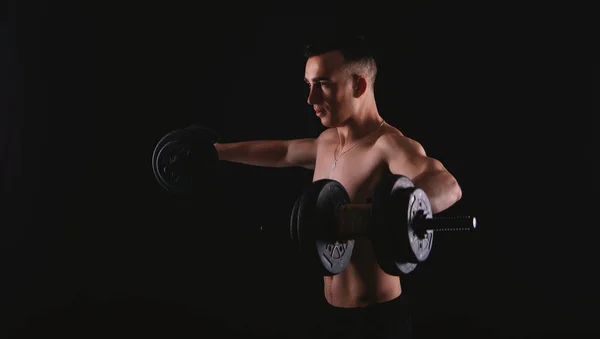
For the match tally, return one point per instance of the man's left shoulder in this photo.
(396, 141)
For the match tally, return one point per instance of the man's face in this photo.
(330, 88)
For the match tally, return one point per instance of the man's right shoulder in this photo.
(327, 135)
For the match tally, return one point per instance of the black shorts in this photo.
(390, 319)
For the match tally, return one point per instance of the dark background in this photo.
(93, 246)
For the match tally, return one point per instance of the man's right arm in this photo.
(271, 153)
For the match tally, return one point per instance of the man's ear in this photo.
(360, 85)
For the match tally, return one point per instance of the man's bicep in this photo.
(301, 153)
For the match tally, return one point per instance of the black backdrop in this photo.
(92, 244)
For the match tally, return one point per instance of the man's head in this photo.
(341, 73)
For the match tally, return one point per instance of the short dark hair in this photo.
(358, 54)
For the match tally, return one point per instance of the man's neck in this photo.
(359, 127)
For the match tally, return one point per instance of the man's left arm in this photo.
(407, 157)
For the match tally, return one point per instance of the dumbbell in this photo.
(184, 160)
(399, 222)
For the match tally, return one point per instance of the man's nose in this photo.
(314, 96)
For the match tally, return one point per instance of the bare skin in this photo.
(366, 148)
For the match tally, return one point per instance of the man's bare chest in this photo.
(358, 170)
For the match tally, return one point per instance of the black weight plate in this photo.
(416, 247)
(163, 162)
(179, 167)
(294, 222)
(316, 219)
(389, 225)
(202, 133)
(185, 160)
(161, 143)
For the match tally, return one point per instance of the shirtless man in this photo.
(357, 149)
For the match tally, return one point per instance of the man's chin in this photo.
(325, 121)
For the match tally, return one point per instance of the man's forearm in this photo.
(265, 153)
(441, 188)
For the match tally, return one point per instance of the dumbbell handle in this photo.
(355, 220)
(446, 224)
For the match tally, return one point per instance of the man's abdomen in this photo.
(362, 283)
